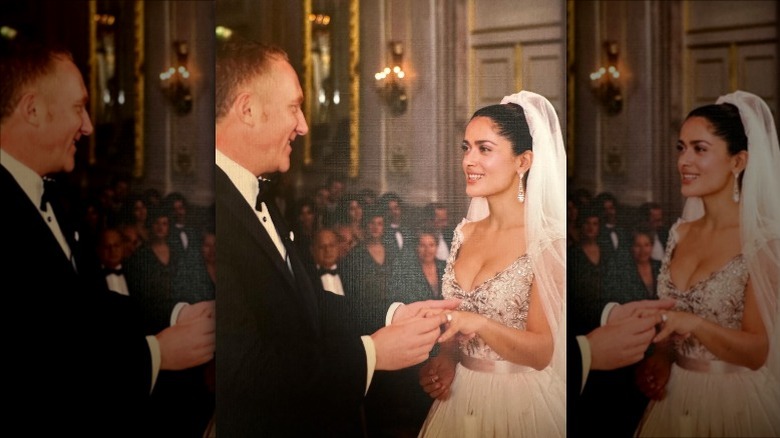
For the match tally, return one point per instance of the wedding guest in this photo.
(586, 270)
(150, 273)
(325, 251)
(367, 268)
(397, 231)
(350, 212)
(417, 276)
(438, 220)
(652, 215)
(111, 252)
(135, 213)
(346, 239)
(613, 237)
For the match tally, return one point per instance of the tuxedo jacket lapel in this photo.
(299, 283)
(246, 216)
(302, 279)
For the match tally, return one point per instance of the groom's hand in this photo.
(411, 310)
(187, 344)
(407, 343)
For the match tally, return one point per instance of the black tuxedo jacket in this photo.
(289, 359)
(76, 359)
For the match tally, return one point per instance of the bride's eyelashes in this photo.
(465, 147)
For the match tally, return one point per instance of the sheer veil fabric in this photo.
(545, 215)
(759, 213)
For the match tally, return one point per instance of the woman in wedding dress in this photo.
(714, 370)
(505, 343)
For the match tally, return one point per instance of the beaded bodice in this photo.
(720, 297)
(503, 297)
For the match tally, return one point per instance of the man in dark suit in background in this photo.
(651, 215)
(77, 360)
(291, 359)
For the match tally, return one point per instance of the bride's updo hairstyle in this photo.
(510, 123)
(726, 124)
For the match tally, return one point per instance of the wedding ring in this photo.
(664, 317)
(434, 379)
(449, 317)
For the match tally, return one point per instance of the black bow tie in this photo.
(109, 271)
(49, 189)
(323, 271)
(264, 193)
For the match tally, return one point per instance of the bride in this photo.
(504, 372)
(714, 371)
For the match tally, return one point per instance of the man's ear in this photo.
(244, 108)
(31, 108)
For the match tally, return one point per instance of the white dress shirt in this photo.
(332, 282)
(442, 250)
(117, 282)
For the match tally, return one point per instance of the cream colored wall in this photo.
(674, 56)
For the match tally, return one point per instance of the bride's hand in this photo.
(437, 375)
(466, 323)
(677, 323)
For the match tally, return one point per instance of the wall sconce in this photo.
(605, 82)
(389, 81)
(175, 80)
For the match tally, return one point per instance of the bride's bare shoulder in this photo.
(468, 227)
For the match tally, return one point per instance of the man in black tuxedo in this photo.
(291, 358)
(325, 251)
(651, 214)
(111, 253)
(437, 218)
(76, 358)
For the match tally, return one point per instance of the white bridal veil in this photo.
(545, 215)
(759, 212)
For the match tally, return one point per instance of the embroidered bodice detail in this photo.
(503, 297)
(719, 297)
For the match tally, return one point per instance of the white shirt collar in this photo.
(30, 182)
(244, 180)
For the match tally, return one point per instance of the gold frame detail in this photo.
(354, 85)
(138, 84)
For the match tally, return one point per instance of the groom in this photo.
(291, 358)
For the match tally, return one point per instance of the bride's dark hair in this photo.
(726, 123)
(510, 123)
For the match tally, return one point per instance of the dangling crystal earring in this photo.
(521, 190)
(735, 192)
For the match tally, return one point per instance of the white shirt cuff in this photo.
(391, 313)
(586, 359)
(176, 310)
(605, 313)
(154, 350)
(368, 344)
